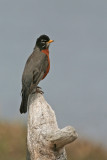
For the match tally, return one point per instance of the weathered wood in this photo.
(45, 141)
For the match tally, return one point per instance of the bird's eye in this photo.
(43, 40)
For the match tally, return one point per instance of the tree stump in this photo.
(45, 141)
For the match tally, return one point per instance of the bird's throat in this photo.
(46, 51)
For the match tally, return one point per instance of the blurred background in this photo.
(76, 84)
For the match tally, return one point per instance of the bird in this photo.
(36, 69)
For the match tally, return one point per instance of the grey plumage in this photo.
(34, 70)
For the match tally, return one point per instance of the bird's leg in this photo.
(35, 89)
(39, 90)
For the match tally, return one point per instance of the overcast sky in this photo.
(76, 86)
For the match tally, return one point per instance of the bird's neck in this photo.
(46, 51)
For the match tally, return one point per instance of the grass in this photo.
(12, 142)
(13, 145)
(85, 150)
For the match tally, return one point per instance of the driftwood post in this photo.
(45, 141)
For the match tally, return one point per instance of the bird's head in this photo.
(43, 42)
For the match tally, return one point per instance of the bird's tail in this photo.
(23, 106)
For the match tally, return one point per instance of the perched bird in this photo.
(36, 69)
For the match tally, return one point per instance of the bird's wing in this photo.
(39, 71)
(35, 68)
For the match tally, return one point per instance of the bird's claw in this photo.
(39, 90)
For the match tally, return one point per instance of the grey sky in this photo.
(76, 86)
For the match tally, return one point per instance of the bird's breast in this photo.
(46, 51)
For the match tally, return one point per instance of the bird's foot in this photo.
(39, 90)
(35, 89)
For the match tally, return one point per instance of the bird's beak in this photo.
(50, 41)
